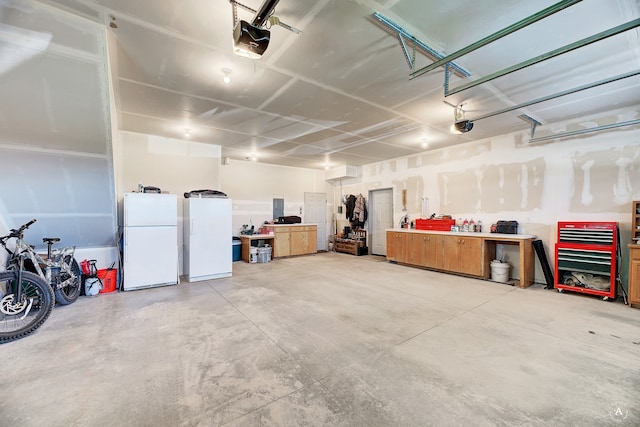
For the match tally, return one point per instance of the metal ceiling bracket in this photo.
(551, 54)
(497, 35)
(582, 131)
(447, 76)
(531, 120)
(422, 45)
(559, 94)
(411, 60)
(234, 7)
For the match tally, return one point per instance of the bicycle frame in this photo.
(48, 269)
(54, 264)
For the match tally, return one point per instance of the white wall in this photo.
(173, 165)
(254, 185)
(589, 178)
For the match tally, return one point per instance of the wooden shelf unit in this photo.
(634, 256)
(353, 244)
(635, 222)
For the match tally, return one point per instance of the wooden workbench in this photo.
(464, 253)
(246, 240)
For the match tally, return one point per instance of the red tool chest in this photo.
(435, 224)
(586, 258)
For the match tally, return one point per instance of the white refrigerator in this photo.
(150, 240)
(208, 242)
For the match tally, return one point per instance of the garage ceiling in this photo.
(340, 92)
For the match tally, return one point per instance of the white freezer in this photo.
(150, 240)
(208, 250)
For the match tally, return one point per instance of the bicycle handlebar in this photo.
(17, 233)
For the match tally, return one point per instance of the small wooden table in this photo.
(246, 240)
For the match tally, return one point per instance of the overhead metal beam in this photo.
(422, 45)
(264, 12)
(582, 131)
(551, 54)
(559, 94)
(497, 35)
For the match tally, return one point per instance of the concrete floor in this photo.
(327, 340)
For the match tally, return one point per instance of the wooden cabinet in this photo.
(294, 240)
(463, 254)
(634, 275)
(397, 247)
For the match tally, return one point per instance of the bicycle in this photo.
(58, 268)
(26, 300)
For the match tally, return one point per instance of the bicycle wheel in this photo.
(20, 318)
(68, 294)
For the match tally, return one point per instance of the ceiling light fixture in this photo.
(460, 125)
(424, 144)
(187, 133)
(227, 75)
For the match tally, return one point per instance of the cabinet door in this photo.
(425, 250)
(463, 254)
(299, 243)
(634, 276)
(433, 251)
(450, 253)
(312, 240)
(281, 245)
(470, 253)
(397, 246)
(417, 249)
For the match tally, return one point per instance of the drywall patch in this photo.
(415, 192)
(605, 178)
(494, 188)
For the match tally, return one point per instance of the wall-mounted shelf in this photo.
(635, 222)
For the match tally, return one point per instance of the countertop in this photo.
(289, 225)
(497, 236)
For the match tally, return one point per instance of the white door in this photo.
(380, 219)
(315, 212)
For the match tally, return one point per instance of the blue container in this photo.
(237, 244)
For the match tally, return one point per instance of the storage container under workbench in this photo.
(293, 239)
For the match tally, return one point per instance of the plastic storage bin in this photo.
(237, 245)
